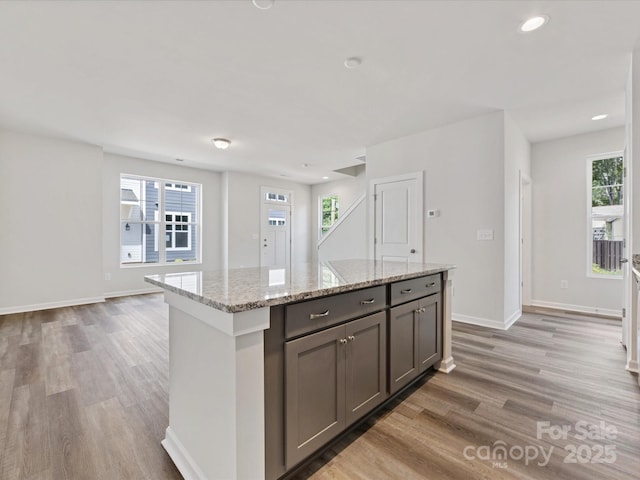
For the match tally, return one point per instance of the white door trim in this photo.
(419, 178)
(525, 237)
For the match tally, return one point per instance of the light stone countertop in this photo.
(242, 289)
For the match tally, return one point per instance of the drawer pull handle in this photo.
(367, 302)
(351, 338)
(408, 290)
(318, 315)
(432, 284)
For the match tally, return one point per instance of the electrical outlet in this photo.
(107, 276)
(485, 234)
(564, 283)
(433, 213)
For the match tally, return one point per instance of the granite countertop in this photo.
(242, 289)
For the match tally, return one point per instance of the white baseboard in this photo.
(482, 322)
(126, 293)
(576, 308)
(513, 319)
(632, 366)
(181, 458)
(50, 305)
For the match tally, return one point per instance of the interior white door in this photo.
(398, 219)
(276, 235)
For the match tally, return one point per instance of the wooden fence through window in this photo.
(607, 254)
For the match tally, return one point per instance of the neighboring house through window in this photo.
(151, 209)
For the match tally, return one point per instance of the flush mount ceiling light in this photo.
(353, 62)
(221, 143)
(533, 23)
(602, 116)
(262, 4)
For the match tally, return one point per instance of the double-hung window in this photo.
(152, 209)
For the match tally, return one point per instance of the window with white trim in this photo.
(605, 215)
(329, 208)
(152, 209)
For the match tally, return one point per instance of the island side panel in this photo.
(274, 394)
(216, 391)
(447, 364)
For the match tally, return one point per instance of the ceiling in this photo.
(159, 80)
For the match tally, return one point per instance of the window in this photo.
(606, 215)
(178, 187)
(329, 206)
(151, 209)
(276, 197)
(178, 231)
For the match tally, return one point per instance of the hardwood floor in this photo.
(83, 392)
(83, 395)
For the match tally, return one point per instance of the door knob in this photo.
(413, 250)
(624, 260)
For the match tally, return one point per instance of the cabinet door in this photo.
(314, 392)
(366, 365)
(429, 331)
(403, 345)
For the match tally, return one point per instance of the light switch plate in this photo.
(485, 234)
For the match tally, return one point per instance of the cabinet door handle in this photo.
(343, 341)
(408, 290)
(432, 284)
(367, 302)
(420, 310)
(417, 310)
(318, 315)
(351, 338)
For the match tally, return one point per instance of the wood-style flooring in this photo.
(83, 395)
(83, 392)
(567, 371)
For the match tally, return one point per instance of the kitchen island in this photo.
(244, 344)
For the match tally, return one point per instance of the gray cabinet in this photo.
(415, 339)
(332, 378)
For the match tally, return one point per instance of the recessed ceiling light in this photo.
(602, 116)
(353, 62)
(221, 143)
(263, 4)
(533, 23)
(325, 178)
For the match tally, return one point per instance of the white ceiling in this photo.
(159, 80)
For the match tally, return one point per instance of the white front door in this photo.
(398, 218)
(275, 235)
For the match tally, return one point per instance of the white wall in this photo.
(51, 212)
(348, 190)
(243, 213)
(125, 280)
(517, 162)
(464, 165)
(559, 173)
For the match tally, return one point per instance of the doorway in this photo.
(275, 227)
(525, 239)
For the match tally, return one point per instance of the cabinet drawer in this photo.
(312, 315)
(413, 288)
